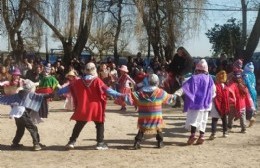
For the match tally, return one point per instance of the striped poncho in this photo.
(149, 102)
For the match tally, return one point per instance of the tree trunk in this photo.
(118, 30)
(13, 26)
(244, 24)
(68, 54)
(83, 30)
(253, 39)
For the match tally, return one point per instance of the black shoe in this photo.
(177, 106)
(160, 144)
(16, 145)
(137, 145)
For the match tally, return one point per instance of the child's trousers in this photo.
(140, 135)
(232, 116)
(25, 122)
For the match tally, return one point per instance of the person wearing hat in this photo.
(25, 110)
(71, 77)
(220, 106)
(125, 84)
(198, 92)
(47, 83)
(15, 84)
(149, 100)
(250, 82)
(236, 67)
(90, 97)
(239, 98)
(4, 76)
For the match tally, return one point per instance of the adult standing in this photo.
(89, 95)
(181, 64)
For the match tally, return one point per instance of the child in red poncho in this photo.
(239, 98)
(125, 84)
(220, 106)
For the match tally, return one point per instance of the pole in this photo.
(149, 33)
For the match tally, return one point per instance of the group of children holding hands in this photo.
(227, 96)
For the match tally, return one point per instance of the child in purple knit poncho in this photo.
(198, 91)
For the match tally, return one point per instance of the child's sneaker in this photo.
(212, 137)
(225, 134)
(101, 146)
(42, 145)
(243, 131)
(230, 130)
(37, 147)
(200, 141)
(137, 145)
(160, 144)
(123, 109)
(191, 140)
(70, 145)
(251, 122)
(16, 145)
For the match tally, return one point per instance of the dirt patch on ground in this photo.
(238, 150)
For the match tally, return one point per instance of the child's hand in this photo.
(174, 97)
(123, 95)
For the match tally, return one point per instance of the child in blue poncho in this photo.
(250, 82)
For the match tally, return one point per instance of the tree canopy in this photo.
(225, 38)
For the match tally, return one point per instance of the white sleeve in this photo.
(179, 92)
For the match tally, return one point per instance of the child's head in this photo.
(71, 75)
(202, 67)
(237, 65)
(28, 85)
(221, 77)
(90, 69)
(153, 80)
(16, 74)
(249, 67)
(47, 70)
(240, 83)
(123, 69)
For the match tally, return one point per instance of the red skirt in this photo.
(120, 100)
(44, 90)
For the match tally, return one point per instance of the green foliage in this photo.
(225, 38)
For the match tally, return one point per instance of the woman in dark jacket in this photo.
(181, 64)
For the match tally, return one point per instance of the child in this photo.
(198, 93)
(220, 106)
(239, 100)
(125, 83)
(14, 85)
(48, 83)
(25, 104)
(149, 101)
(139, 78)
(71, 76)
(90, 98)
(250, 82)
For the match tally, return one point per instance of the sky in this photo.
(198, 45)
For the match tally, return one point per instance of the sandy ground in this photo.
(238, 150)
